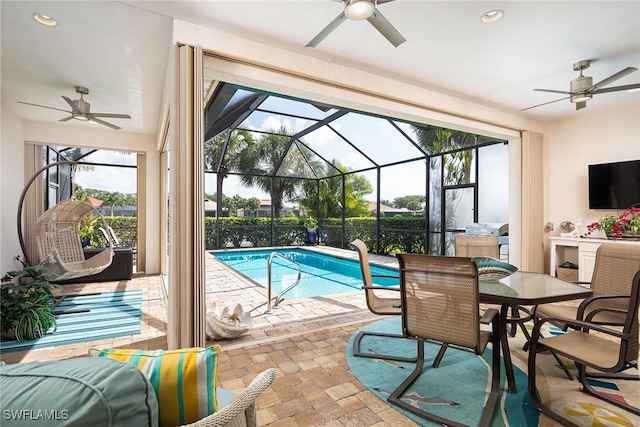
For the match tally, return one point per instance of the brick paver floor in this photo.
(304, 340)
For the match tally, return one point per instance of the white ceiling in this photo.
(119, 49)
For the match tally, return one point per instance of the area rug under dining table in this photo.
(458, 387)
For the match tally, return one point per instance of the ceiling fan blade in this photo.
(43, 106)
(327, 30)
(74, 108)
(113, 116)
(617, 88)
(545, 103)
(553, 91)
(581, 105)
(66, 119)
(384, 1)
(102, 122)
(613, 78)
(386, 29)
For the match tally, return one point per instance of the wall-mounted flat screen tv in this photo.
(614, 185)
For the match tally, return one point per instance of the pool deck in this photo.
(225, 287)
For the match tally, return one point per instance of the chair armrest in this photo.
(381, 288)
(390, 276)
(488, 316)
(587, 301)
(578, 325)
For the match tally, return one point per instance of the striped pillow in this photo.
(184, 379)
(492, 270)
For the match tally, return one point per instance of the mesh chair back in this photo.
(615, 266)
(376, 304)
(440, 299)
(633, 349)
(471, 246)
(363, 254)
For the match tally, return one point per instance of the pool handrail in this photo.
(278, 299)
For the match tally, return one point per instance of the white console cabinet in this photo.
(562, 249)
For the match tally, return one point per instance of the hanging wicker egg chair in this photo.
(58, 239)
(59, 244)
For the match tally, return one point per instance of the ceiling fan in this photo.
(81, 110)
(358, 10)
(582, 88)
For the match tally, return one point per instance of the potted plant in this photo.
(311, 225)
(26, 304)
(87, 229)
(625, 225)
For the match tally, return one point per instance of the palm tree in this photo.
(258, 161)
(457, 164)
(355, 189)
(113, 199)
(223, 162)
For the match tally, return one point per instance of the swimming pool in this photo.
(321, 274)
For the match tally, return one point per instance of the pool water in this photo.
(321, 274)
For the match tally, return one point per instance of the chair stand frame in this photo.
(587, 388)
(358, 353)
(395, 397)
(583, 377)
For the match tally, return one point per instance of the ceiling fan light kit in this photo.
(582, 89)
(358, 9)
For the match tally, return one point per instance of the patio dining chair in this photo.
(610, 350)
(487, 246)
(615, 266)
(383, 306)
(440, 302)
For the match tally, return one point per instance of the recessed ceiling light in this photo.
(45, 20)
(492, 15)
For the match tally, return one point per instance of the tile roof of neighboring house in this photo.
(385, 208)
(210, 205)
(95, 202)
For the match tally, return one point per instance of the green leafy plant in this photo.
(310, 223)
(616, 226)
(26, 304)
(88, 229)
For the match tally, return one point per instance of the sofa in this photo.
(104, 391)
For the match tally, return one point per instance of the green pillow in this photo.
(76, 392)
(184, 380)
(492, 270)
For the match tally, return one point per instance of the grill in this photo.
(499, 229)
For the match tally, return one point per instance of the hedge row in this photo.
(397, 234)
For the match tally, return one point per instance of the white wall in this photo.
(570, 145)
(11, 179)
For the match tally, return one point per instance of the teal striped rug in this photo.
(110, 314)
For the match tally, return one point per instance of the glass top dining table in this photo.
(529, 289)
(524, 288)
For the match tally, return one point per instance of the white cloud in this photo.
(109, 178)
